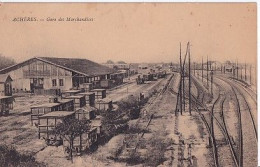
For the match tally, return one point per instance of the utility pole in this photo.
(211, 85)
(245, 72)
(194, 69)
(180, 90)
(202, 70)
(210, 66)
(241, 77)
(237, 69)
(183, 87)
(250, 75)
(189, 84)
(207, 72)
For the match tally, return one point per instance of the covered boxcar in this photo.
(89, 97)
(42, 109)
(86, 87)
(69, 93)
(99, 93)
(6, 104)
(49, 121)
(79, 100)
(66, 104)
(104, 104)
(86, 112)
(85, 142)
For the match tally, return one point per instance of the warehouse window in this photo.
(54, 82)
(61, 82)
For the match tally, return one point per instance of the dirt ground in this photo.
(99, 157)
(16, 128)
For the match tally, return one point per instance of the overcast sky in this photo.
(143, 32)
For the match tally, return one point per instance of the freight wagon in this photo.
(89, 97)
(39, 110)
(79, 100)
(85, 142)
(6, 104)
(49, 121)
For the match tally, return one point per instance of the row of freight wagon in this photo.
(141, 78)
(72, 104)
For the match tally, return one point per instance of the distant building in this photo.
(47, 73)
(5, 85)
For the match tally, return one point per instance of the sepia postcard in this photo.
(128, 84)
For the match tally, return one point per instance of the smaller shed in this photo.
(99, 93)
(5, 85)
(90, 98)
(42, 109)
(104, 104)
(49, 121)
(86, 112)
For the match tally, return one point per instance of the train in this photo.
(150, 76)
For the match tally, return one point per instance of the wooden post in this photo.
(245, 72)
(180, 90)
(211, 82)
(250, 75)
(207, 72)
(189, 84)
(202, 70)
(194, 69)
(237, 69)
(241, 77)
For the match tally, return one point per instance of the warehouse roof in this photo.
(81, 66)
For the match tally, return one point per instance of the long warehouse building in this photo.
(48, 73)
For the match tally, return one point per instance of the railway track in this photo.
(151, 115)
(219, 115)
(221, 128)
(247, 152)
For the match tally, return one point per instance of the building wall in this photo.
(22, 77)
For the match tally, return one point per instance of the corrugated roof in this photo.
(82, 65)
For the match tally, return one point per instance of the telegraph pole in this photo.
(207, 72)
(211, 74)
(194, 69)
(180, 90)
(250, 75)
(237, 69)
(189, 84)
(202, 70)
(241, 77)
(245, 72)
